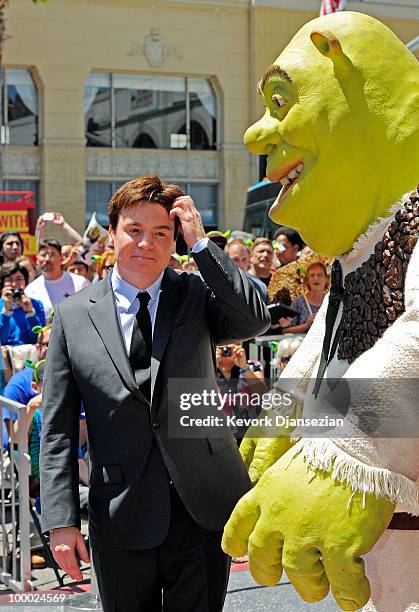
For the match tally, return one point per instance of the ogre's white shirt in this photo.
(384, 466)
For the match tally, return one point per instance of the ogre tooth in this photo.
(300, 167)
(292, 174)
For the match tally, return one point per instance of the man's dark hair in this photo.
(49, 242)
(292, 235)
(10, 268)
(6, 235)
(80, 262)
(149, 188)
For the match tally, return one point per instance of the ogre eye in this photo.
(278, 100)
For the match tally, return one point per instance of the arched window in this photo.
(198, 136)
(118, 107)
(144, 141)
(19, 120)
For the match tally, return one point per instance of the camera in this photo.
(226, 351)
(17, 295)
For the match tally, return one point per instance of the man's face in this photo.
(287, 251)
(261, 258)
(12, 248)
(49, 259)
(240, 255)
(78, 268)
(143, 241)
(42, 344)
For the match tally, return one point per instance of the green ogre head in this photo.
(342, 123)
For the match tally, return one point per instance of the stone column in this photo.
(63, 142)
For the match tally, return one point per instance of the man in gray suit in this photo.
(157, 504)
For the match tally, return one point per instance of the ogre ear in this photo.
(327, 44)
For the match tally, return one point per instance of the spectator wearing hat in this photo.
(79, 267)
(19, 387)
(53, 285)
(219, 238)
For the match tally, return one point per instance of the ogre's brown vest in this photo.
(374, 293)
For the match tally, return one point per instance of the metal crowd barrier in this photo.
(15, 569)
(256, 347)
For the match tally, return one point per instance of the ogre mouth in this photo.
(287, 177)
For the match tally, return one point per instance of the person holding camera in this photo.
(238, 377)
(18, 312)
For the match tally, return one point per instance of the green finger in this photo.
(239, 526)
(267, 452)
(349, 584)
(247, 450)
(303, 566)
(265, 554)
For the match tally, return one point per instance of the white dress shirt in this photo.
(127, 303)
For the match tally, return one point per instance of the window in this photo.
(98, 194)
(148, 106)
(203, 113)
(97, 110)
(205, 198)
(18, 108)
(158, 112)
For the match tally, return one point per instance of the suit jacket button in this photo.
(155, 424)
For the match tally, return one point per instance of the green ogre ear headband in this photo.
(38, 369)
(39, 330)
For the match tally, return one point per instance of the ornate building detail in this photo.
(154, 49)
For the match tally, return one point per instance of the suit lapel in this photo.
(169, 303)
(104, 318)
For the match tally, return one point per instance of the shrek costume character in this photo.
(341, 129)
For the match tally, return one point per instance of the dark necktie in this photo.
(141, 343)
(335, 298)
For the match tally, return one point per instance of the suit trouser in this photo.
(188, 572)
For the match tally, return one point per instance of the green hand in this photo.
(259, 453)
(264, 444)
(300, 520)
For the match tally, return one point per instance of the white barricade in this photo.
(15, 568)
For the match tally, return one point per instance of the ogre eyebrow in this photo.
(271, 70)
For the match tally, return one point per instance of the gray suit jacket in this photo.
(132, 454)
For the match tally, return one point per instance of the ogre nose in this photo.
(261, 137)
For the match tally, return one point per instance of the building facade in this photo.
(95, 92)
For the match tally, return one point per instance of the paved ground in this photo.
(243, 596)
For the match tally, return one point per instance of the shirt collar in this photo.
(126, 293)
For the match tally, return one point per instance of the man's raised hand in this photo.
(190, 219)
